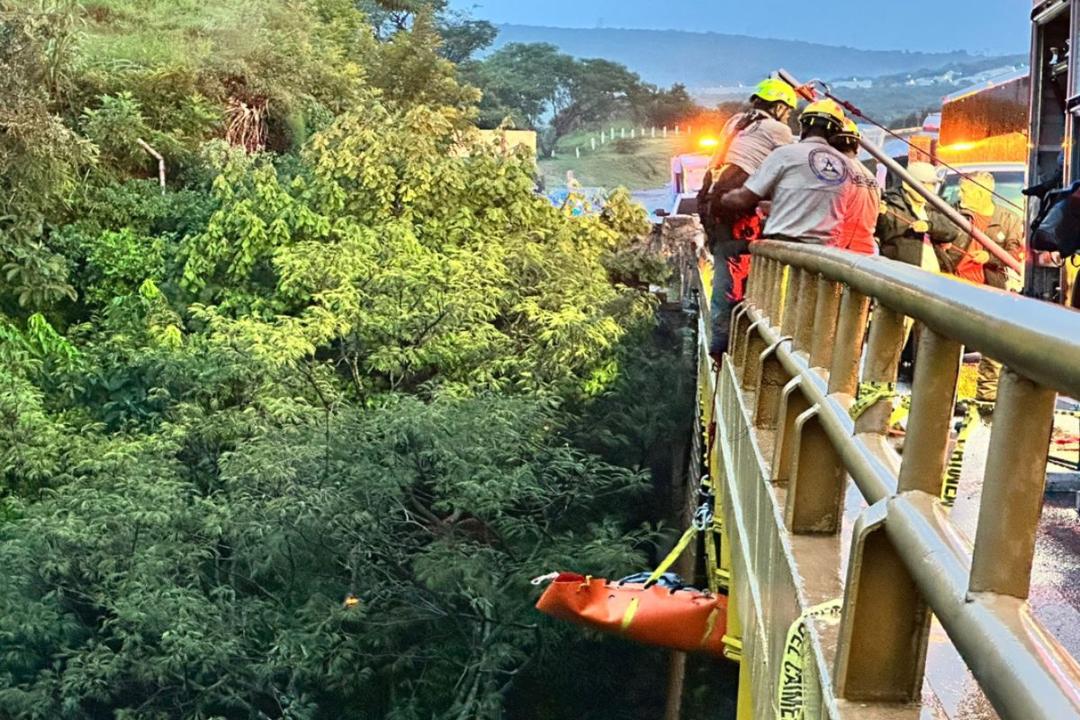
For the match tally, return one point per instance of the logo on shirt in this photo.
(828, 167)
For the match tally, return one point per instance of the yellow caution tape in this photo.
(950, 486)
(792, 689)
(900, 414)
(870, 394)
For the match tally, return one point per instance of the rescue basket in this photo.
(658, 609)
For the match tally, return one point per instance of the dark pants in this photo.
(990, 370)
(725, 248)
(719, 226)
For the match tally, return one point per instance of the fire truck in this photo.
(1054, 126)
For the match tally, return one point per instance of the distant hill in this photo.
(714, 60)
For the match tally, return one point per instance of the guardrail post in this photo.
(750, 346)
(758, 267)
(816, 489)
(758, 291)
(1012, 496)
(933, 398)
(740, 321)
(824, 335)
(790, 313)
(806, 304)
(850, 333)
(749, 357)
(770, 377)
(882, 365)
(881, 655)
(773, 292)
(792, 404)
(769, 387)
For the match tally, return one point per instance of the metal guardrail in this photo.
(801, 349)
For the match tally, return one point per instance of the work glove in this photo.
(920, 227)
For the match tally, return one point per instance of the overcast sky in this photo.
(981, 26)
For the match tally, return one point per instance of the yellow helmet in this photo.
(776, 90)
(850, 130)
(827, 110)
(977, 193)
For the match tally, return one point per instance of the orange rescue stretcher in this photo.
(657, 610)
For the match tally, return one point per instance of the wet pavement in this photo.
(1055, 582)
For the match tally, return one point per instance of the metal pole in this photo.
(936, 200)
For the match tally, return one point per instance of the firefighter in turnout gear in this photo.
(906, 222)
(747, 139)
(967, 259)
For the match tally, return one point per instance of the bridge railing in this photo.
(815, 354)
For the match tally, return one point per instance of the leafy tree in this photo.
(288, 439)
(671, 107)
(462, 36)
(598, 91)
(411, 69)
(525, 82)
(536, 86)
(410, 262)
(163, 601)
(40, 157)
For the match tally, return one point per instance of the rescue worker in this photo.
(1003, 226)
(906, 221)
(747, 139)
(965, 258)
(805, 182)
(862, 197)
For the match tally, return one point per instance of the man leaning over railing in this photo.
(805, 182)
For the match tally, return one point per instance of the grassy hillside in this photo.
(641, 164)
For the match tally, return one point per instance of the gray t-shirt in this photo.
(750, 146)
(806, 183)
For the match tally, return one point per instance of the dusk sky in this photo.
(981, 26)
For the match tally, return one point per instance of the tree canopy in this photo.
(288, 436)
(534, 85)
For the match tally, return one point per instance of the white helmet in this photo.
(924, 173)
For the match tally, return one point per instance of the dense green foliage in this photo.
(288, 437)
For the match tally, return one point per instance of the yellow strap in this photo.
(870, 394)
(672, 556)
(712, 557)
(710, 626)
(631, 611)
